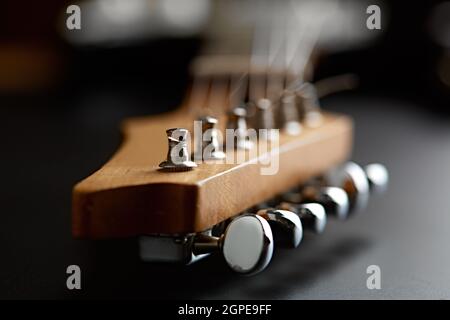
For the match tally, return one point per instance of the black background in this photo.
(55, 137)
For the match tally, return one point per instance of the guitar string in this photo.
(314, 26)
(204, 88)
(276, 69)
(264, 59)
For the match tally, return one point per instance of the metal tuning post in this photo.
(237, 121)
(288, 117)
(210, 147)
(178, 156)
(264, 119)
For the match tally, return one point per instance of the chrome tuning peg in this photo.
(237, 121)
(352, 178)
(378, 177)
(286, 226)
(312, 215)
(264, 119)
(309, 106)
(178, 156)
(288, 114)
(246, 244)
(210, 145)
(335, 200)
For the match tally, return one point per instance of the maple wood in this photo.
(129, 196)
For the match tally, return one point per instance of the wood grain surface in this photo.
(129, 196)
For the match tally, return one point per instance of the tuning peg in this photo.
(352, 178)
(210, 146)
(309, 106)
(264, 118)
(178, 156)
(246, 244)
(378, 177)
(288, 114)
(237, 121)
(335, 200)
(285, 225)
(312, 215)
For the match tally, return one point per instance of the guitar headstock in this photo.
(130, 195)
(249, 155)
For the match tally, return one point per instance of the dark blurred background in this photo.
(63, 96)
(408, 58)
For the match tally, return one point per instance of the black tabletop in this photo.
(46, 149)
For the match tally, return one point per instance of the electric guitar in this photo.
(247, 163)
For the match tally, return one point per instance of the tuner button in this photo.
(178, 156)
(335, 200)
(210, 146)
(352, 178)
(247, 244)
(286, 226)
(312, 215)
(378, 177)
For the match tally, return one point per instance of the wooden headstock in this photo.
(129, 196)
(183, 212)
